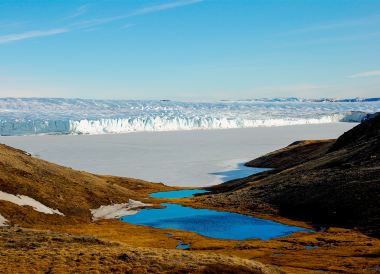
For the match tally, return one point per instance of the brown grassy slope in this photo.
(341, 187)
(30, 251)
(340, 250)
(72, 192)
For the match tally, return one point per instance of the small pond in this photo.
(181, 245)
(209, 223)
(311, 246)
(177, 193)
(240, 171)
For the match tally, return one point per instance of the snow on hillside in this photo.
(3, 221)
(116, 211)
(23, 200)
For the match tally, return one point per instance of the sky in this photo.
(190, 49)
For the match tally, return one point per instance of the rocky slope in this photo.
(327, 183)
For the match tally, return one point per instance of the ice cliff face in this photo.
(24, 116)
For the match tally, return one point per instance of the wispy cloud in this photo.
(91, 23)
(98, 21)
(331, 40)
(137, 12)
(30, 34)
(79, 11)
(335, 25)
(370, 73)
(165, 6)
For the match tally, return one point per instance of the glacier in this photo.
(30, 116)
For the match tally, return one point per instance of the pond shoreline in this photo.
(211, 223)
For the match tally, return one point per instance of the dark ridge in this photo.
(299, 152)
(369, 128)
(325, 183)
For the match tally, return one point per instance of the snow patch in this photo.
(3, 221)
(23, 200)
(117, 210)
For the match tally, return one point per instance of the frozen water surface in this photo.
(184, 158)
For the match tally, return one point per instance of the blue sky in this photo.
(190, 49)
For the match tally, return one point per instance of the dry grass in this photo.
(75, 244)
(340, 250)
(72, 192)
(28, 251)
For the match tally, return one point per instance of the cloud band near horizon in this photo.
(30, 34)
(370, 73)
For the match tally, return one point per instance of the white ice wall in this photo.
(76, 116)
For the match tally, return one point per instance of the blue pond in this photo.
(311, 246)
(177, 193)
(210, 223)
(240, 171)
(181, 245)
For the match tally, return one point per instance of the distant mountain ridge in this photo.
(318, 100)
(264, 99)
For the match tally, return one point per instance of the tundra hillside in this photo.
(57, 197)
(327, 183)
